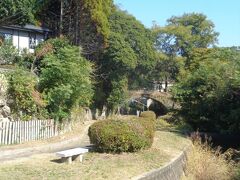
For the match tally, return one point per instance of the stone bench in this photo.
(67, 155)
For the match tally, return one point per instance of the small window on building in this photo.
(5, 38)
(32, 41)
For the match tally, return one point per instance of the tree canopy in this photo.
(130, 53)
(17, 12)
(184, 33)
(136, 35)
(84, 22)
(141, 41)
(209, 91)
(65, 80)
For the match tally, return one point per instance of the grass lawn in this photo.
(97, 165)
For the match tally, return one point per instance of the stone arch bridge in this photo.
(159, 102)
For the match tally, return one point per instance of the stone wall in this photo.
(172, 171)
(78, 115)
(4, 109)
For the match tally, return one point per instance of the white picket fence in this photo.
(22, 131)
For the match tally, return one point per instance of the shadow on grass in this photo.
(58, 161)
(177, 132)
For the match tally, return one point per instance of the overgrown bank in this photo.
(204, 161)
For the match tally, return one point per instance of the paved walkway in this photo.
(81, 140)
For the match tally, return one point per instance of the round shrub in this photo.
(148, 114)
(150, 130)
(121, 135)
(148, 121)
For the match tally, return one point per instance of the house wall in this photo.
(11, 32)
(8, 31)
(20, 38)
(23, 42)
(15, 39)
(39, 38)
(161, 86)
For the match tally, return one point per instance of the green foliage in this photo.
(134, 33)
(119, 60)
(51, 46)
(149, 115)
(8, 54)
(127, 59)
(66, 81)
(26, 101)
(118, 94)
(201, 29)
(167, 68)
(148, 120)
(237, 173)
(200, 55)
(119, 57)
(173, 122)
(32, 61)
(16, 12)
(209, 91)
(122, 135)
(183, 34)
(99, 12)
(139, 39)
(84, 22)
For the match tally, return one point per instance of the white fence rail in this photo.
(22, 131)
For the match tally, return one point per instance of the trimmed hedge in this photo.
(122, 135)
(148, 120)
(148, 114)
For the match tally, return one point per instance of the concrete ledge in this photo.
(171, 171)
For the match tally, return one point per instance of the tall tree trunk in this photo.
(166, 83)
(61, 18)
(77, 28)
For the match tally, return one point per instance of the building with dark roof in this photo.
(24, 37)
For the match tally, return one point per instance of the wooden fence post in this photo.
(22, 131)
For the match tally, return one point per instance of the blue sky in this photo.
(225, 14)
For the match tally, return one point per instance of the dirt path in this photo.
(78, 138)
